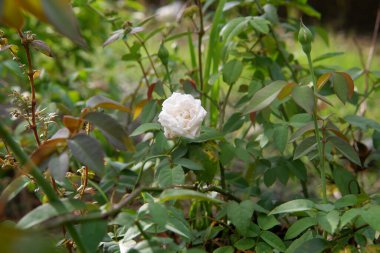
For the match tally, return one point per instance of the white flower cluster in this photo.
(181, 115)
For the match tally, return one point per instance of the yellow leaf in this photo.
(286, 91)
(36, 74)
(138, 108)
(323, 80)
(34, 7)
(11, 14)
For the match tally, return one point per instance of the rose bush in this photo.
(182, 115)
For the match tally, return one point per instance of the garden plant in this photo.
(200, 126)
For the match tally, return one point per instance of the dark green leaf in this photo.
(244, 244)
(111, 129)
(233, 123)
(273, 240)
(88, 151)
(329, 222)
(187, 163)
(158, 213)
(61, 16)
(280, 137)
(345, 181)
(224, 249)
(306, 146)
(347, 200)
(315, 245)
(346, 149)
(95, 230)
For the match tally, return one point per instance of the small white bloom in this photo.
(181, 115)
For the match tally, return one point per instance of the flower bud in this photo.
(163, 54)
(305, 37)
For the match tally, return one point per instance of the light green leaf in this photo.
(158, 213)
(232, 71)
(260, 24)
(327, 56)
(329, 222)
(297, 205)
(181, 194)
(267, 222)
(240, 215)
(47, 211)
(171, 176)
(299, 226)
(265, 96)
(371, 216)
(347, 200)
(304, 97)
(146, 127)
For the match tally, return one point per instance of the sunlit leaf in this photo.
(322, 80)
(265, 96)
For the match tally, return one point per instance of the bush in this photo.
(203, 131)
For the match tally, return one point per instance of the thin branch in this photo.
(201, 32)
(30, 73)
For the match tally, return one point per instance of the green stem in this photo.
(41, 181)
(317, 134)
(223, 110)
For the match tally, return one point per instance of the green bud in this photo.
(163, 54)
(305, 37)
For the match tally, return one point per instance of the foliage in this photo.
(274, 169)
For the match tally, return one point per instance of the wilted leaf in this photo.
(74, 124)
(46, 149)
(286, 91)
(322, 80)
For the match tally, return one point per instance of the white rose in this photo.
(181, 115)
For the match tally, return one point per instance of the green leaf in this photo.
(280, 137)
(262, 247)
(244, 244)
(224, 249)
(233, 28)
(146, 127)
(106, 103)
(240, 215)
(111, 129)
(47, 211)
(346, 149)
(348, 216)
(299, 241)
(260, 24)
(304, 97)
(345, 201)
(304, 129)
(14, 188)
(297, 205)
(345, 181)
(298, 169)
(61, 16)
(299, 226)
(93, 232)
(371, 216)
(306, 146)
(171, 176)
(314, 245)
(181, 194)
(59, 165)
(88, 151)
(265, 96)
(158, 213)
(234, 123)
(208, 134)
(327, 56)
(340, 87)
(362, 122)
(329, 222)
(273, 240)
(267, 222)
(187, 163)
(232, 71)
